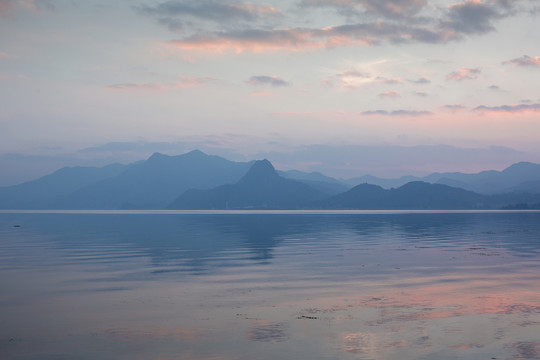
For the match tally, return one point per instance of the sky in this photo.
(346, 87)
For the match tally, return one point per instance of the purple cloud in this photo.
(267, 80)
(524, 61)
(393, 21)
(392, 9)
(523, 108)
(472, 16)
(454, 108)
(421, 81)
(213, 10)
(397, 113)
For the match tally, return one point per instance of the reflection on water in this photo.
(170, 286)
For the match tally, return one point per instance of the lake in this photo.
(280, 285)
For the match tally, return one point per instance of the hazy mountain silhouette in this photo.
(382, 182)
(325, 184)
(532, 187)
(413, 195)
(523, 176)
(260, 188)
(156, 182)
(493, 182)
(152, 184)
(43, 192)
(149, 184)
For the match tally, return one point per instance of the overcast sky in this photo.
(260, 77)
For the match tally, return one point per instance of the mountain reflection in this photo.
(199, 244)
(374, 286)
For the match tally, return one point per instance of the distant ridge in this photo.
(153, 183)
(149, 184)
(522, 176)
(195, 180)
(260, 188)
(419, 195)
(416, 195)
(42, 193)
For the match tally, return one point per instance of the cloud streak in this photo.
(275, 81)
(349, 80)
(421, 81)
(454, 108)
(398, 113)
(391, 21)
(511, 109)
(173, 12)
(183, 83)
(390, 9)
(309, 39)
(391, 81)
(524, 61)
(389, 95)
(463, 74)
(473, 16)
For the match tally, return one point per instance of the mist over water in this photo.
(270, 286)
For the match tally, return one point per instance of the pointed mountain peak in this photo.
(157, 155)
(261, 169)
(195, 152)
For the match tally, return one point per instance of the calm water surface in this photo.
(270, 286)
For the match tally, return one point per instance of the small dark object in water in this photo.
(308, 317)
(16, 225)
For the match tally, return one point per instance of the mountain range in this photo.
(199, 181)
(260, 188)
(523, 176)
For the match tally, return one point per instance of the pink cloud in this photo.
(463, 74)
(257, 41)
(352, 74)
(138, 86)
(307, 39)
(389, 80)
(183, 83)
(261, 93)
(389, 95)
(348, 80)
(525, 60)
